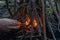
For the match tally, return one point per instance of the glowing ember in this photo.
(35, 23)
(27, 21)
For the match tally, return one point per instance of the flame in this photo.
(27, 21)
(34, 23)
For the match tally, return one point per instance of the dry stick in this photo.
(44, 25)
(7, 4)
(41, 15)
(28, 36)
(56, 6)
(14, 6)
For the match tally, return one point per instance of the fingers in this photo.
(8, 24)
(19, 24)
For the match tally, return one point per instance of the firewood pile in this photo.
(37, 23)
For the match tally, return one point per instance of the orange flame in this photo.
(34, 23)
(27, 22)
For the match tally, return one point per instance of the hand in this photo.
(8, 24)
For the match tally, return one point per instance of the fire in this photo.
(27, 21)
(27, 24)
(34, 23)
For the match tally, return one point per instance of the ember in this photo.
(27, 21)
(35, 23)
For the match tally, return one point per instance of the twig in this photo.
(7, 4)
